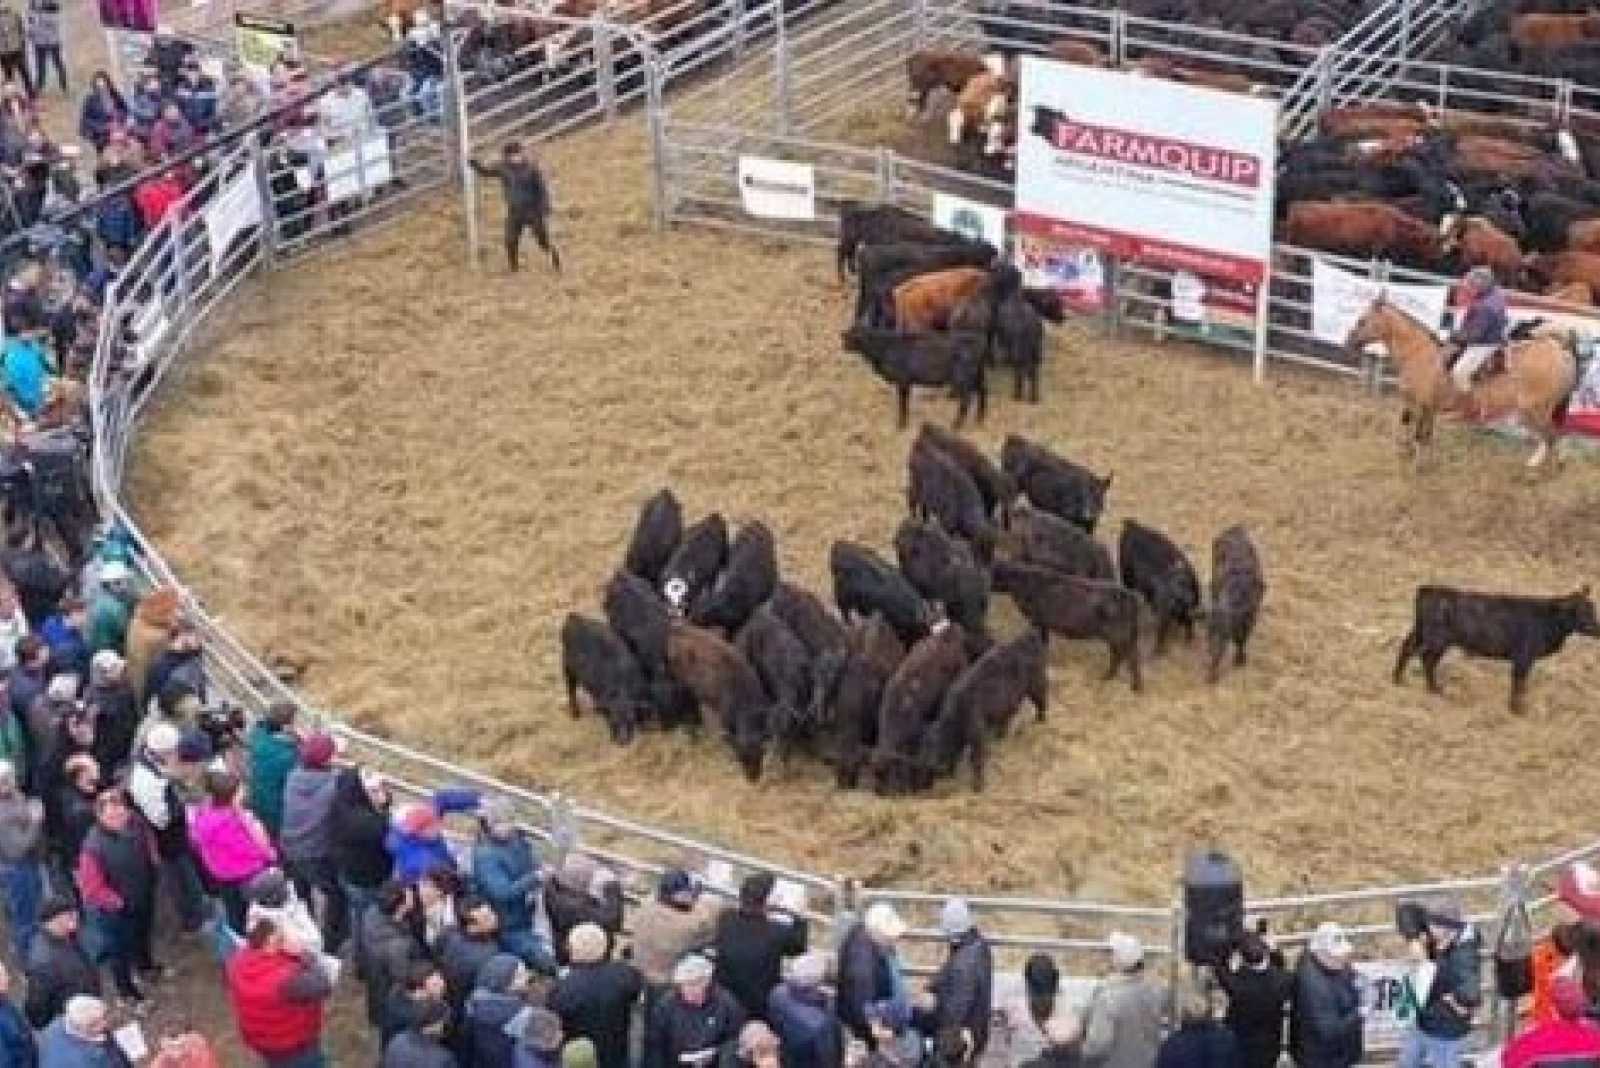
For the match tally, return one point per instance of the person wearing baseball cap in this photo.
(1571, 1037)
(307, 835)
(1325, 1025)
(1444, 1019)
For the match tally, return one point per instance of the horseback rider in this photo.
(1482, 329)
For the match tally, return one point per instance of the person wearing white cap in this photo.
(1122, 1024)
(963, 988)
(801, 1013)
(1444, 1018)
(153, 791)
(689, 1025)
(1325, 1023)
(869, 969)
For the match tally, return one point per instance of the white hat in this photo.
(692, 969)
(62, 687)
(1329, 940)
(163, 738)
(955, 919)
(106, 662)
(1127, 952)
(113, 571)
(883, 922)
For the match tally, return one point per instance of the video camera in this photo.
(224, 725)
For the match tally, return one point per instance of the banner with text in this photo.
(777, 188)
(970, 218)
(1339, 298)
(1145, 169)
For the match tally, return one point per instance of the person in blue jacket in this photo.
(17, 1047)
(506, 869)
(27, 372)
(416, 841)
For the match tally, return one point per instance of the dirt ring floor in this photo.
(405, 473)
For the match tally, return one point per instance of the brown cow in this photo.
(1477, 242)
(722, 679)
(1081, 53)
(981, 102)
(926, 301)
(911, 701)
(1564, 268)
(1501, 158)
(1361, 228)
(932, 69)
(1550, 32)
(1378, 119)
(1076, 608)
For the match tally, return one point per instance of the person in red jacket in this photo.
(278, 990)
(1570, 1038)
(158, 197)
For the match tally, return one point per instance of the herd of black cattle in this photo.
(906, 678)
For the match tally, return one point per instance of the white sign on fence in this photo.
(777, 188)
(356, 170)
(1146, 169)
(1339, 298)
(971, 218)
(1386, 1007)
(231, 212)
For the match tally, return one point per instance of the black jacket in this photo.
(359, 828)
(1460, 976)
(522, 184)
(964, 989)
(676, 1027)
(412, 1049)
(595, 1001)
(750, 951)
(567, 908)
(484, 1021)
(461, 957)
(1325, 1024)
(58, 969)
(865, 976)
(388, 947)
(1204, 1045)
(806, 1025)
(1256, 1004)
(115, 724)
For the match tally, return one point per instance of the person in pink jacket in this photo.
(232, 844)
(1571, 1038)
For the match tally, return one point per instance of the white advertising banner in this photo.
(777, 188)
(1339, 298)
(231, 212)
(970, 218)
(1146, 169)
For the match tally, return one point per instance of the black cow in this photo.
(1237, 588)
(882, 267)
(641, 618)
(943, 569)
(1020, 332)
(998, 488)
(1076, 608)
(1054, 483)
(655, 537)
(1049, 541)
(864, 583)
(1550, 216)
(925, 359)
(696, 563)
(748, 579)
(996, 685)
(911, 700)
(873, 656)
(884, 224)
(1155, 568)
(595, 660)
(938, 488)
(825, 637)
(784, 666)
(1502, 627)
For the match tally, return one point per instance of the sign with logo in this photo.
(777, 188)
(1144, 169)
(1075, 270)
(261, 41)
(970, 218)
(1339, 298)
(1388, 1000)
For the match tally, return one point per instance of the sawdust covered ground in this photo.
(404, 474)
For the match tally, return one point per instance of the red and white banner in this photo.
(1145, 169)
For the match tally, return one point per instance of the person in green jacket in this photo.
(274, 749)
(109, 612)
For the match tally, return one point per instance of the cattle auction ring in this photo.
(400, 474)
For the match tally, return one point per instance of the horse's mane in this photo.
(1407, 316)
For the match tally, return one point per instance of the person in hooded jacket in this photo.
(422, 1044)
(58, 968)
(360, 823)
(751, 943)
(1258, 998)
(595, 996)
(802, 1016)
(1325, 1021)
(869, 969)
(273, 750)
(307, 836)
(391, 939)
(582, 892)
(505, 866)
(1200, 1040)
(963, 988)
(499, 996)
(690, 1024)
(423, 982)
(416, 838)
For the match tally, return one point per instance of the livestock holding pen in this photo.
(198, 320)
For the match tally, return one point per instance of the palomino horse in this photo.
(1539, 378)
